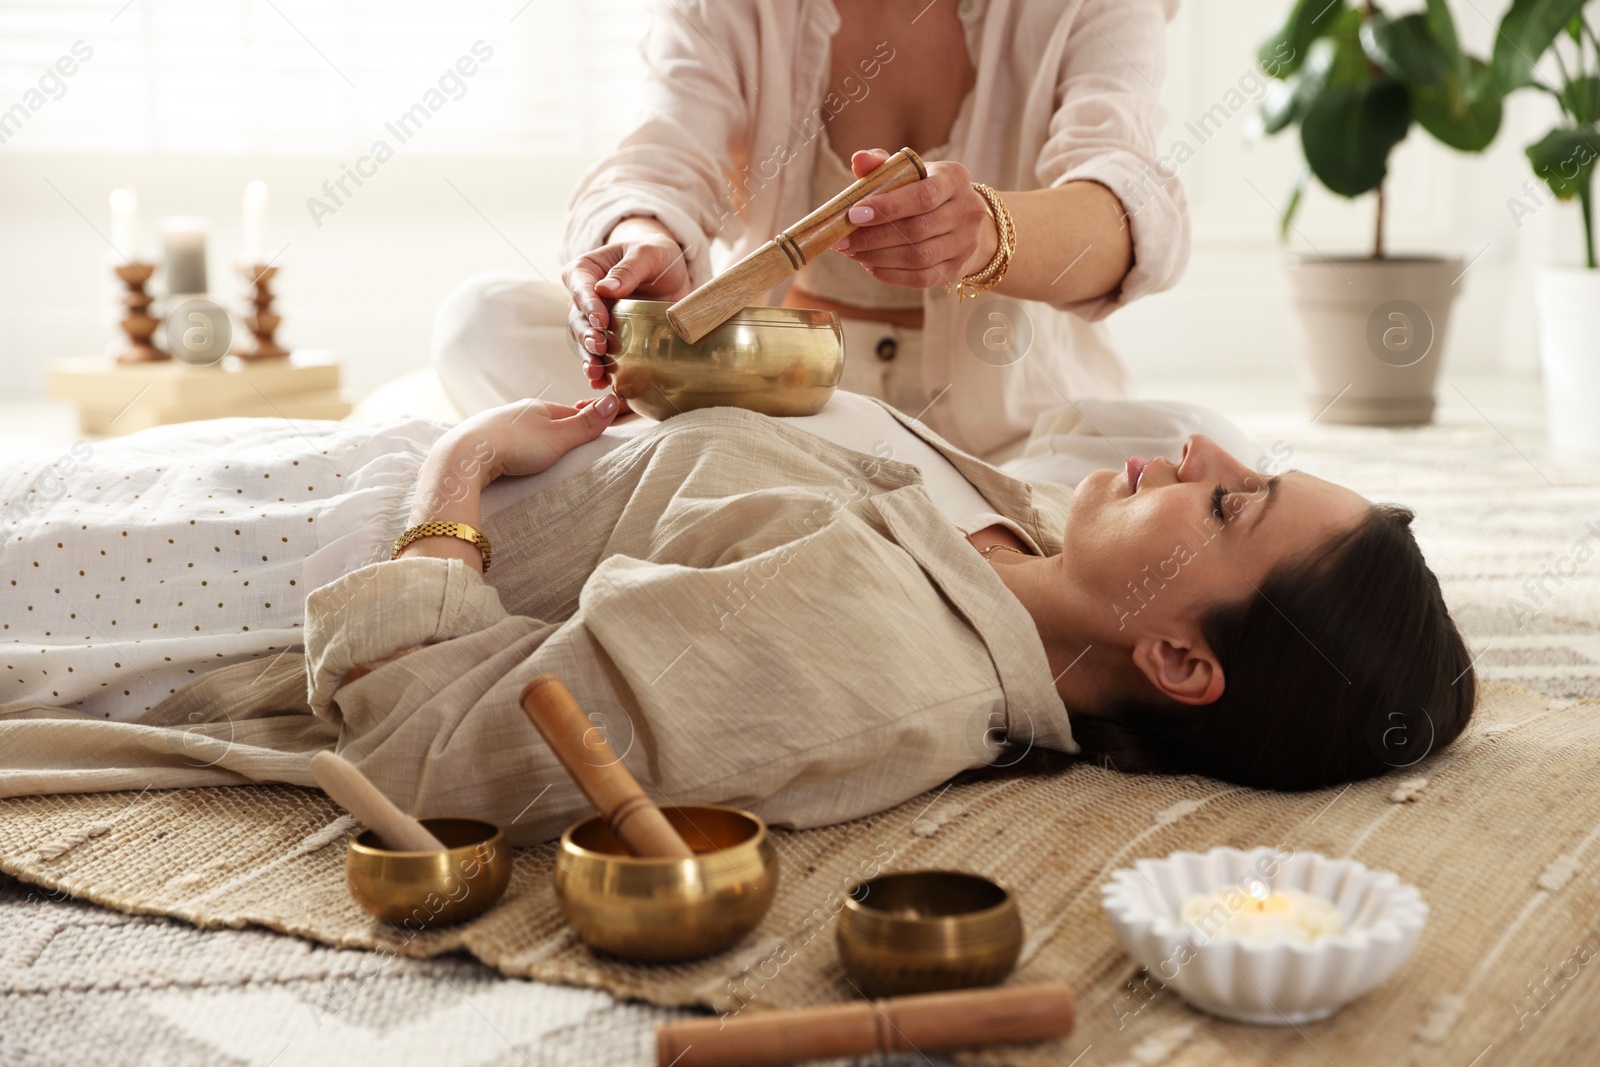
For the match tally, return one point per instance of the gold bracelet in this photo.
(444, 529)
(996, 269)
(991, 273)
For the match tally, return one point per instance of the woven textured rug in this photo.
(1497, 831)
(1501, 838)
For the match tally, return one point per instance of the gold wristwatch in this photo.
(444, 529)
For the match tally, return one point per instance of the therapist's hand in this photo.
(641, 260)
(935, 231)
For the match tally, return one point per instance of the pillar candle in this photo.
(125, 223)
(185, 240)
(255, 218)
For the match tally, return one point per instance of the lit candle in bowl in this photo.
(1261, 936)
(255, 220)
(125, 223)
(1260, 915)
(185, 240)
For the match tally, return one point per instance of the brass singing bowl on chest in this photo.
(778, 361)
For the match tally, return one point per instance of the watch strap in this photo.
(444, 529)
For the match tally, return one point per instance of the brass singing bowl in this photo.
(668, 909)
(778, 361)
(422, 890)
(923, 931)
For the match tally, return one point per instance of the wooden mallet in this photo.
(718, 299)
(354, 792)
(923, 1022)
(589, 758)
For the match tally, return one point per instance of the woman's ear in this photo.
(1187, 673)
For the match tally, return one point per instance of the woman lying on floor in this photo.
(813, 618)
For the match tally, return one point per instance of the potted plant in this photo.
(1568, 298)
(1353, 80)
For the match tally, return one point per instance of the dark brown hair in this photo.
(1340, 666)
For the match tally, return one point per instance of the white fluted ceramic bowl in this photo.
(1283, 983)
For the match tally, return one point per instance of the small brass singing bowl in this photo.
(778, 361)
(655, 910)
(924, 931)
(422, 890)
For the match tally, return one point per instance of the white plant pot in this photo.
(1569, 353)
(1374, 335)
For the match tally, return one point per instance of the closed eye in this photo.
(1218, 495)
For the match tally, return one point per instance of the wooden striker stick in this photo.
(716, 301)
(610, 787)
(925, 1022)
(398, 831)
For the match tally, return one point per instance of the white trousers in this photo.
(501, 337)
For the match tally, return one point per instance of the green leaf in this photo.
(1285, 102)
(1442, 26)
(1348, 133)
(1465, 118)
(1581, 96)
(1333, 60)
(1348, 61)
(1404, 48)
(1565, 159)
(1278, 102)
(1282, 54)
(1527, 30)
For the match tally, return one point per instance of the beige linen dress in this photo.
(760, 616)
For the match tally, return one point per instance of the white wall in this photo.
(365, 282)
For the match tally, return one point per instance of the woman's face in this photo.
(1163, 542)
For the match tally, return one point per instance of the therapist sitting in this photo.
(1037, 121)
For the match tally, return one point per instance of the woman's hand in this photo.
(523, 437)
(930, 232)
(527, 436)
(640, 259)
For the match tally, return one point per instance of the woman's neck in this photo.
(1087, 669)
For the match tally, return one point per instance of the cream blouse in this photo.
(723, 152)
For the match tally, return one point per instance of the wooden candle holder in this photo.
(138, 323)
(261, 320)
